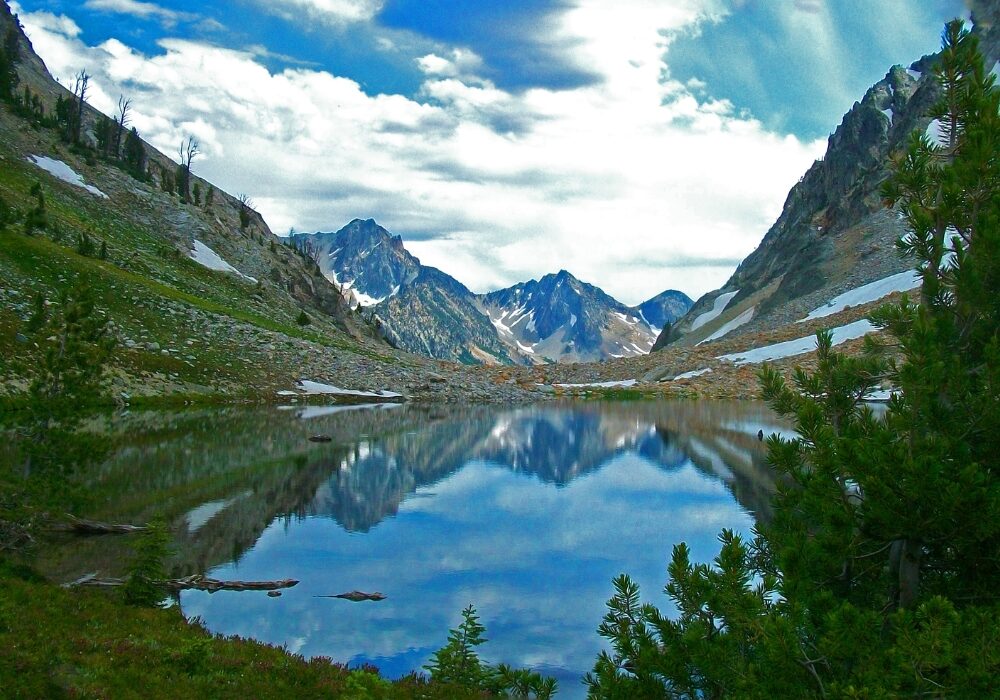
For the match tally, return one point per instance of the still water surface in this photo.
(527, 513)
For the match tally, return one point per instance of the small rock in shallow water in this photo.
(320, 438)
(274, 594)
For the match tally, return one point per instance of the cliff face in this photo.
(833, 233)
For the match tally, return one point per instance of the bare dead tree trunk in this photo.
(80, 92)
(187, 152)
(123, 119)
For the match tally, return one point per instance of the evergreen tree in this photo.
(877, 577)
(457, 662)
(76, 344)
(10, 56)
(85, 244)
(144, 585)
(135, 155)
(39, 314)
(37, 218)
(6, 215)
(105, 131)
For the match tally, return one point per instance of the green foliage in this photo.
(144, 585)
(105, 131)
(10, 56)
(196, 193)
(37, 217)
(166, 181)
(76, 345)
(84, 643)
(877, 576)
(458, 664)
(523, 683)
(730, 637)
(135, 155)
(85, 244)
(7, 215)
(303, 319)
(210, 196)
(67, 118)
(39, 315)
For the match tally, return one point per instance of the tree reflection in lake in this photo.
(526, 512)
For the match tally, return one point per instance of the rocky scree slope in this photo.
(834, 233)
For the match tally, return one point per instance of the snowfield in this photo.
(720, 304)
(60, 170)
(798, 346)
(731, 325)
(203, 255)
(873, 291)
(311, 388)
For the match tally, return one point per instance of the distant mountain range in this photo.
(422, 309)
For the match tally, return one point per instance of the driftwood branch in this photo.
(195, 582)
(201, 583)
(93, 527)
(355, 596)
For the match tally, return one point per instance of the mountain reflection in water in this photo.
(527, 513)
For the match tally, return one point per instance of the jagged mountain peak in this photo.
(561, 318)
(364, 259)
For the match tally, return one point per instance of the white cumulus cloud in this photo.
(632, 182)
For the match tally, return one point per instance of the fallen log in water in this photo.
(355, 596)
(93, 527)
(201, 583)
(195, 582)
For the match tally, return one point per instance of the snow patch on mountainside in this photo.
(357, 295)
(60, 170)
(693, 373)
(731, 325)
(311, 388)
(873, 291)
(798, 346)
(718, 307)
(203, 255)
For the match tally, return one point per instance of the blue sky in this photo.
(502, 140)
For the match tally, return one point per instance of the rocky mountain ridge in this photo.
(559, 318)
(555, 319)
(834, 233)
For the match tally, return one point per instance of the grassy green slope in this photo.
(182, 327)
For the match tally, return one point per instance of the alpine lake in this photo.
(527, 513)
